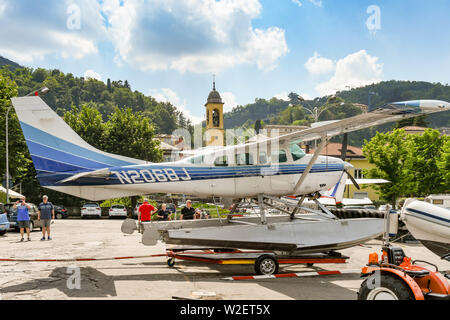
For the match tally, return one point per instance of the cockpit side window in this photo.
(221, 161)
(244, 159)
(262, 157)
(279, 156)
(197, 160)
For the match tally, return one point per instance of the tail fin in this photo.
(54, 146)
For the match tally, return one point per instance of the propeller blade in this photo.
(353, 180)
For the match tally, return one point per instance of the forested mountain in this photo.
(6, 62)
(67, 91)
(276, 111)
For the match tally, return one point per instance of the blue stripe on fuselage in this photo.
(161, 173)
(427, 214)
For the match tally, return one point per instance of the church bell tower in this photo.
(214, 118)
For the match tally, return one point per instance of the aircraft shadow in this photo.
(96, 284)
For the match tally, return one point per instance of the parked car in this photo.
(91, 209)
(61, 212)
(12, 216)
(4, 223)
(171, 207)
(135, 210)
(118, 210)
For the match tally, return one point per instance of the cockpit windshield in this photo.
(296, 152)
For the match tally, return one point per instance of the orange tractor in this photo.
(396, 277)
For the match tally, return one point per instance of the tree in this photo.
(19, 157)
(258, 126)
(130, 134)
(423, 171)
(88, 124)
(444, 165)
(388, 152)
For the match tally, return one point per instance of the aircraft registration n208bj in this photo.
(264, 170)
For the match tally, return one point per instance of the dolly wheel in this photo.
(171, 262)
(266, 265)
(384, 287)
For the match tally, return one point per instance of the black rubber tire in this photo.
(31, 226)
(263, 261)
(387, 281)
(309, 264)
(59, 216)
(171, 262)
(2, 233)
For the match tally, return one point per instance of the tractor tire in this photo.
(266, 265)
(389, 287)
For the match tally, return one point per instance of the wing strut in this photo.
(300, 181)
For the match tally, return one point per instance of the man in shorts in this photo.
(145, 213)
(45, 214)
(23, 217)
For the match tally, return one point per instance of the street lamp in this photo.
(34, 93)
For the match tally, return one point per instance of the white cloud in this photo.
(282, 96)
(355, 70)
(45, 31)
(317, 3)
(2, 6)
(91, 74)
(317, 65)
(202, 36)
(297, 2)
(168, 95)
(229, 101)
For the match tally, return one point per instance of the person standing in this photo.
(45, 214)
(164, 214)
(23, 217)
(145, 212)
(188, 213)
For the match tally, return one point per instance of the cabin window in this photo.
(244, 159)
(279, 156)
(296, 152)
(221, 161)
(262, 157)
(197, 160)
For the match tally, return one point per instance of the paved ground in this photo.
(151, 278)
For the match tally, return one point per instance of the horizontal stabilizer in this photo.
(102, 173)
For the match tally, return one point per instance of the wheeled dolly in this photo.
(265, 262)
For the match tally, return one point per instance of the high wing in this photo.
(387, 113)
(390, 112)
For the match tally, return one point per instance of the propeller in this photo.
(352, 179)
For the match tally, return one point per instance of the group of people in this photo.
(146, 210)
(46, 212)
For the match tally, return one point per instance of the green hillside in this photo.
(6, 62)
(67, 91)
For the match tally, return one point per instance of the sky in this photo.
(170, 49)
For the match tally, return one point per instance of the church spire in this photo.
(214, 82)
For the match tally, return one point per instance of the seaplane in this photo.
(265, 170)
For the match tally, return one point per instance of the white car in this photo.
(118, 210)
(91, 210)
